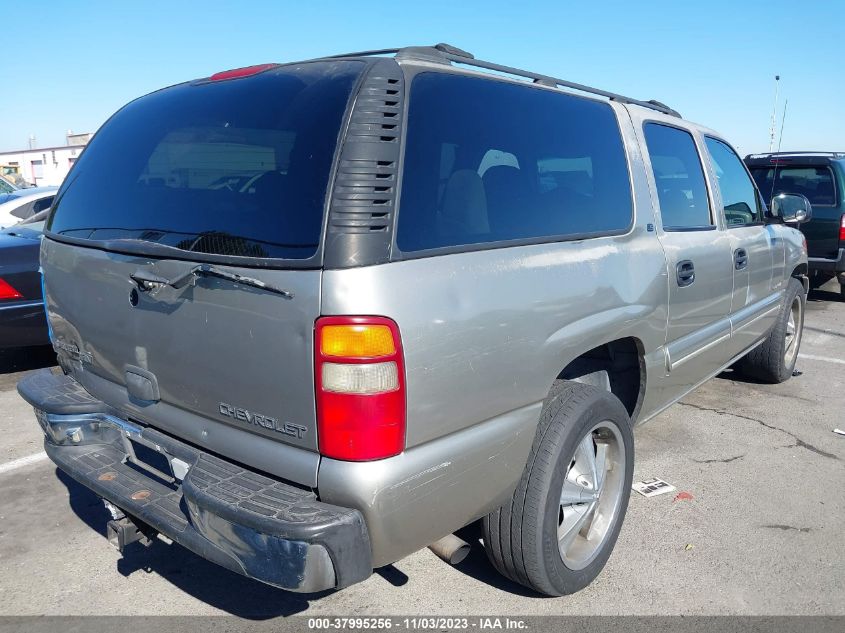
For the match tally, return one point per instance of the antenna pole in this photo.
(774, 114)
(782, 123)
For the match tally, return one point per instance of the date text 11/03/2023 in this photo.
(417, 623)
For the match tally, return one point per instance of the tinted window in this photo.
(41, 205)
(814, 182)
(231, 168)
(679, 177)
(5, 187)
(487, 161)
(739, 196)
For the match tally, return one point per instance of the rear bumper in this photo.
(831, 265)
(23, 324)
(257, 526)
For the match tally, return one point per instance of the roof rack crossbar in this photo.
(451, 54)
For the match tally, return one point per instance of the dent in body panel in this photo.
(794, 254)
(489, 331)
(213, 342)
(257, 451)
(456, 479)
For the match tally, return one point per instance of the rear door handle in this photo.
(740, 259)
(685, 273)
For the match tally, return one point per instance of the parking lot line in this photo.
(824, 359)
(21, 462)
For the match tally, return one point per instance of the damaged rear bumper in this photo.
(252, 524)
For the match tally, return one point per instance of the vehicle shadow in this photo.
(26, 358)
(735, 375)
(818, 295)
(205, 581)
(476, 565)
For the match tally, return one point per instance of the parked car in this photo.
(22, 318)
(820, 177)
(442, 295)
(24, 203)
(6, 186)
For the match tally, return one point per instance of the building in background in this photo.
(43, 166)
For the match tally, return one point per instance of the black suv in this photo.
(820, 177)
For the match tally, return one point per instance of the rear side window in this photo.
(816, 183)
(236, 168)
(739, 196)
(679, 178)
(488, 161)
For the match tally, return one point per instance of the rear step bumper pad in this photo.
(252, 524)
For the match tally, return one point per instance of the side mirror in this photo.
(792, 208)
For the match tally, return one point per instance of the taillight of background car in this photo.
(7, 291)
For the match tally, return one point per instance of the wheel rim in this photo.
(794, 327)
(591, 494)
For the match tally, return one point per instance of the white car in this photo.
(6, 186)
(24, 203)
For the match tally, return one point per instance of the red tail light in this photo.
(842, 229)
(7, 292)
(360, 384)
(235, 73)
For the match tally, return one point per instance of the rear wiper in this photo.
(149, 282)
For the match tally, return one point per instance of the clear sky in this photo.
(68, 64)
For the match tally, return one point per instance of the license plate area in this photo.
(149, 458)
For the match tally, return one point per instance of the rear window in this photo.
(237, 168)
(816, 183)
(488, 161)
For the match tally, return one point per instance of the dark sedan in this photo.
(22, 319)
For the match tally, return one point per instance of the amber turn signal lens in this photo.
(357, 341)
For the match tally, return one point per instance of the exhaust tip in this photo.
(451, 549)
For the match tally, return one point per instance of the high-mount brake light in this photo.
(246, 71)
(7, 291)
(360, 386)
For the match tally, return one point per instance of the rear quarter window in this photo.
(488, 161)
(237, 168)
(678, 177)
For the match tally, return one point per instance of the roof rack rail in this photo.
(378, 51)
(447, 53)
(801, 153)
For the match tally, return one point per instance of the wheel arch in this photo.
(617, 366)
(801, 273)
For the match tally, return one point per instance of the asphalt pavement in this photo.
(758, 532)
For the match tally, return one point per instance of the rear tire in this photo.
(559, 528)
(842, 291)
(773, 361)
